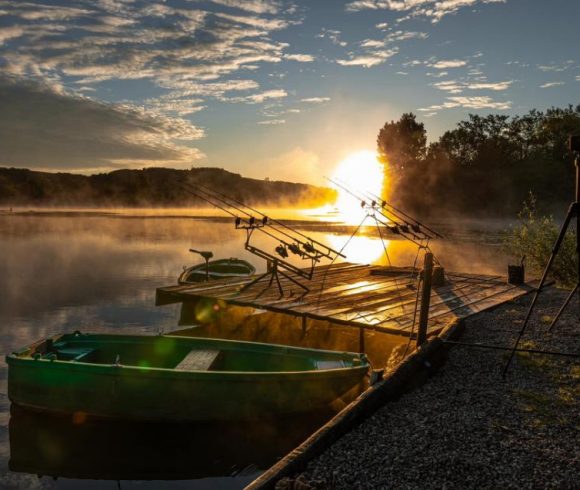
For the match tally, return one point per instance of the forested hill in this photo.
(150, 187)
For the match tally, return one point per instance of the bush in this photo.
(534, 236)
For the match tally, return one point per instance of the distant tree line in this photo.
(487, 165)
(149, 187)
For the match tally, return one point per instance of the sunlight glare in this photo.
(360, 249)
(360, 172)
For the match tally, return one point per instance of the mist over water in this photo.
(95, 271)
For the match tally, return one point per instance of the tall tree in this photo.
(402, 143)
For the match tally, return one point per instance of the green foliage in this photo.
(534, 236)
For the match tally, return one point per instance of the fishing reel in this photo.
(307, 252)
(250, 223)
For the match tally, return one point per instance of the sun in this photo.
(363, 174)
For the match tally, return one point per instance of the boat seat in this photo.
(73, 354)
(329, 364)
(199, 360)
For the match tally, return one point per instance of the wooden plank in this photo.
(391, 304)
(262, 290)
(405, 298)
(485, 303)
(444, 297)
(351, 293)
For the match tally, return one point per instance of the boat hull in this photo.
(218, 269)
(132, 392)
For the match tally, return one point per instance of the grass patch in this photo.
(544, 409)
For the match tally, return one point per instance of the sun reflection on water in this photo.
(360, 249)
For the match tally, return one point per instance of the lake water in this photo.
(95, 271)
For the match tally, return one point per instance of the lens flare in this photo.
(360, 172)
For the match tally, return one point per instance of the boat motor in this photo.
(206, 255)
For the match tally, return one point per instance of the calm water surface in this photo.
(61, 272)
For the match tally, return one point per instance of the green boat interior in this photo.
(226, 268)
(185, 354)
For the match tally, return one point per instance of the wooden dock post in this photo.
(425, 299)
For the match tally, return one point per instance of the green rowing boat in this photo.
(215, 269)
(176, 378)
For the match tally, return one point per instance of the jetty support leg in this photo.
(425, 299)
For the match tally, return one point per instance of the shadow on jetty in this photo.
(58, 446)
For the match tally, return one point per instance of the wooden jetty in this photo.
(371, 297)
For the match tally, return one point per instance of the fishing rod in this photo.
(393, 211)
(397, 228)
(252, 224)
(277, 265)
(400, 213)
(308, 249)
(403, 227)
(270, 220)
(393, 229)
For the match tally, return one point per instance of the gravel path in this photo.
(468, 428)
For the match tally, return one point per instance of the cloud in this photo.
(496, 87)
(10, 32)
(182, 87)
(263, 23)
(370, 59)
(445, 64)
(315, 100)
(481, 102)
(557, 67)
(261, 97)
(456, 87)
(40, 128)
(438, 74)
(450, 86)
(374, 52)
(552, 84)
(138, 40)
(332, 35)
(432, 9)
(478, 102)
(272, 122)
(254, 6)
(303, 58)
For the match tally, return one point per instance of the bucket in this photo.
(517, 273)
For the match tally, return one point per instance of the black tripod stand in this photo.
(573, 211)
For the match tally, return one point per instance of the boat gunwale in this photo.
(115, 369)
(154, 372)
(182, 279)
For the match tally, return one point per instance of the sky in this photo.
(265, 88)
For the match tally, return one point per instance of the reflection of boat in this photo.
(58, 446)
(177, 378)
(215, 269)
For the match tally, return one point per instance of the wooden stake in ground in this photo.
(425, 299)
